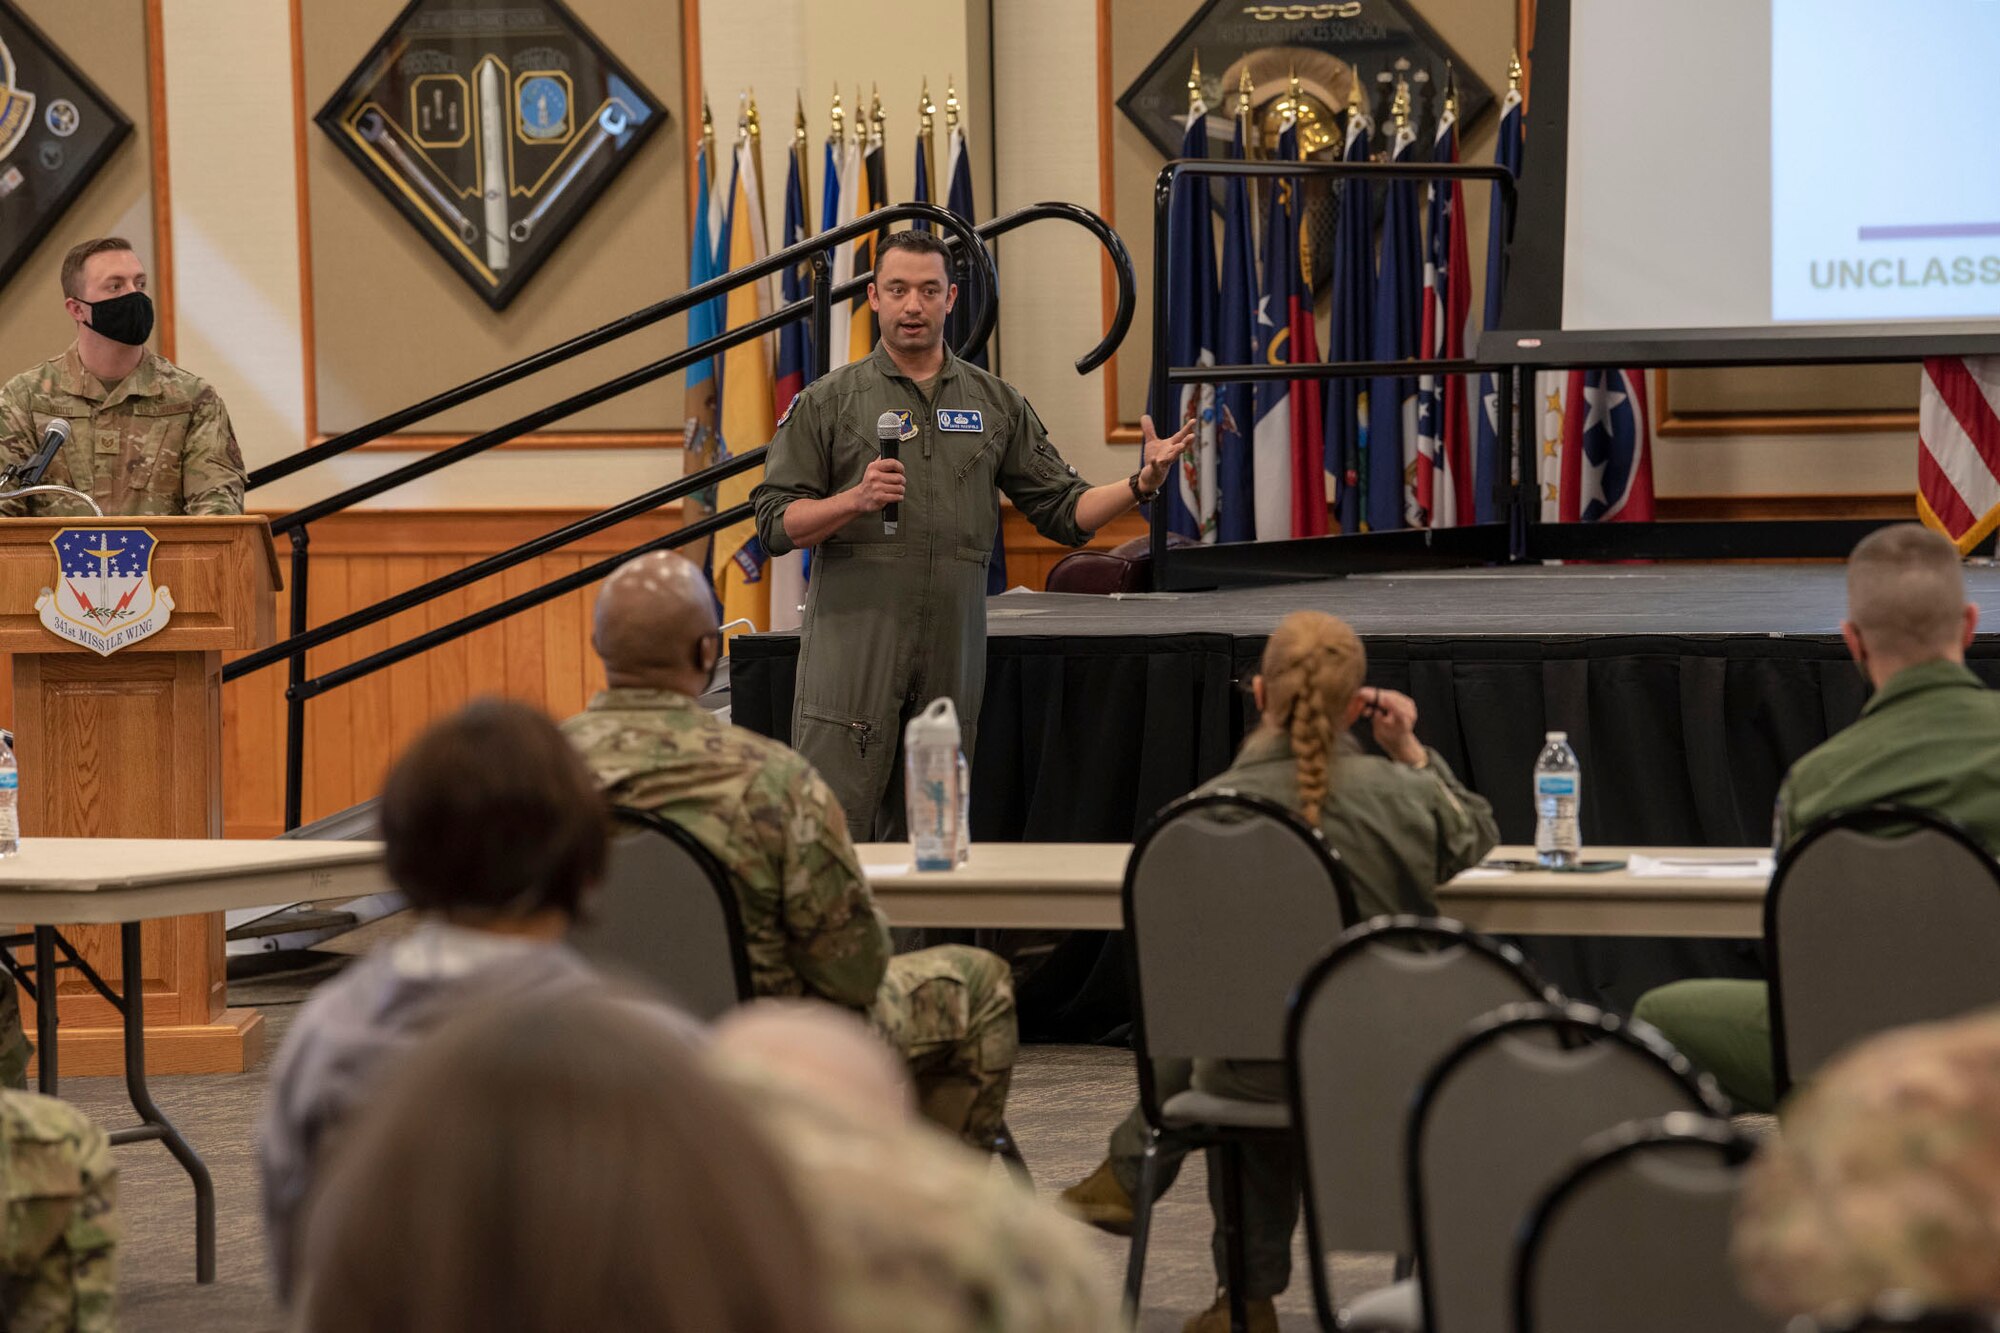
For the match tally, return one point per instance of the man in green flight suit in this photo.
(146, 437)
(1929, 738)
(809, 923)
(896, 619)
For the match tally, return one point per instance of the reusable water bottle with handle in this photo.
(933, 783)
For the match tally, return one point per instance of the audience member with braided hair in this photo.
(1403, 824)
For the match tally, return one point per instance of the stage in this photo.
(1686, 689)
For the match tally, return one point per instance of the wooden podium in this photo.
(130, 746)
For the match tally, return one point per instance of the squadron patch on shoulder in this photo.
(790, 407)
(959, 419)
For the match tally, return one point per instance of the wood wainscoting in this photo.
(541, 656)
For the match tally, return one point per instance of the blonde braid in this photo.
(1313, 664)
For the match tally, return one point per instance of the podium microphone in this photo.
(53, 439)
(888, 434)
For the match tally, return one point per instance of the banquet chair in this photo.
(1367, 1023)
(1900, 1315)
(1498, 1118)
(1228, 899)
(1876, 918)
(666, 915)
(1635, 1235)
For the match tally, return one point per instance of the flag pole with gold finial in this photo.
(1292, 191)
(801, 152)
(1194, 85)
(926, 135)
(950, 107)
(754, 133)
(837, 136)
(876, 120)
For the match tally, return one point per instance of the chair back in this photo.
(1895, 1315)
(1499, 1117)
(1368, 1022)
(1635, 1236)
(1228, 899)
(1876, 918)
(667, 915)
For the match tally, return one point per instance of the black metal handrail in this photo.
(1165, 374)
(958, 229)
(817, 308)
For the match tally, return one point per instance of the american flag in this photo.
(1958, 448)
(1444, 496)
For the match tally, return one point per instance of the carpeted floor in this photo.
(1065, 1100)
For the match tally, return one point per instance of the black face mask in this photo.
(124, 319)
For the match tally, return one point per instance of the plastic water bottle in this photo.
(10, 799)
(964, 808)
(1558, 803)
(933, 786)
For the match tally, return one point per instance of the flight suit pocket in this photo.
(858, 732)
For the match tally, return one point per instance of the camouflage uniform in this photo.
(920, 1236)
(157, 442)
(58, 1270)
(1884, 1177)
(809, 922)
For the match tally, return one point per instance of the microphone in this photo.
(888, 435)
(54, 438)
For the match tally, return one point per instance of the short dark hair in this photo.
(491, 812)
(73, 262)
(916, 242)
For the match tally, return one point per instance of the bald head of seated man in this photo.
(809, 922)
(657, 627)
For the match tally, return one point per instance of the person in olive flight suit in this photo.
(146, 437)
(1929, 737)
(895, 621)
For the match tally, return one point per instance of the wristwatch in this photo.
(1143, 497)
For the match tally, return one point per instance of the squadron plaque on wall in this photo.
(56, 132)
(492, 128)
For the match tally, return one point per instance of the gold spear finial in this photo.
(1514, 71)
(1354, 94)
(1450, 91)
(839, 134)
(1194, 83)
(1400, 109)
(950, 104)
(707, 128)
(750, 122)
(926, 109)
(875, 117)
(799, 124)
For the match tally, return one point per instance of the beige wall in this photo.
(107, 41)
(236, 251)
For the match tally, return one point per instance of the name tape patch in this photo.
(953, 419)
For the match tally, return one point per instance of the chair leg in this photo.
(1009, 1152)
(1237, 1260)
(1142, 1225)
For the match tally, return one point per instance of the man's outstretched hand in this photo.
(1160, 455)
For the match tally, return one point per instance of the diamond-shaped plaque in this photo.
(56, 132)
(1330, 46)
(492, 127)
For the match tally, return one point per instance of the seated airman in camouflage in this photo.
(808, 919)
(145, 437)
(58, 1265)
